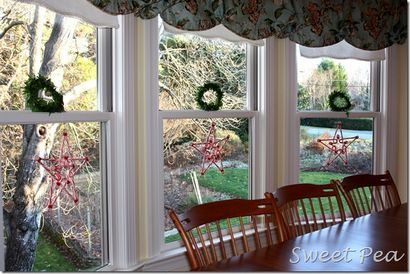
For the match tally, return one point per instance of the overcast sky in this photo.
(355, 69)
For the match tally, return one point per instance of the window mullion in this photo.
(28, 117)
(104, 69)
(252, 77)
(375, 70)
(192, 114)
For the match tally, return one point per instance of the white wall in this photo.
(402, 177)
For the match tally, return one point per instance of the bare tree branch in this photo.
(9, 27)
(76, 91)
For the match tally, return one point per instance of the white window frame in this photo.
(250, 112)
(102, 115)
(157, 250)
(379, 112)
(123, 209)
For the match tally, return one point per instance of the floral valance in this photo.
(365, 24)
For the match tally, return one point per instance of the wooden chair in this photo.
(368, 193)
(218, 230)
(309, 207)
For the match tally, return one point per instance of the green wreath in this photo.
(339, 101)
(215, 87)
(41, 95)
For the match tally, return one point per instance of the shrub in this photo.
(359, 159)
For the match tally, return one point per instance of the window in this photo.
(275, 129)
(318, 125)
(187, 62)
(72, 236)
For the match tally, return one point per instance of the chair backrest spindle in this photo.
(218, 230)
(309, 207)
(369, 193)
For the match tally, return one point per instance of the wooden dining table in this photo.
(374, 242)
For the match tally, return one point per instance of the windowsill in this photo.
(111, 268)
(167, 254)
(169, 260)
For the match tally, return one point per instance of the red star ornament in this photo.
(337, 145)
(211, 150)
(61, 170)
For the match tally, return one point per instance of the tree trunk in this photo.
(56, 49)
(24, 217)
(36, 36)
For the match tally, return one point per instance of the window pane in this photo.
(319, 163)
(71, 235)
(187, 62)
(67, 57)
(318, 77)
(184, 186)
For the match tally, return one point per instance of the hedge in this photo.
(355, 124)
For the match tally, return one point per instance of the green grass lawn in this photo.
(315, 177)
(323, 178)
(234, 181)
(48, 258)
